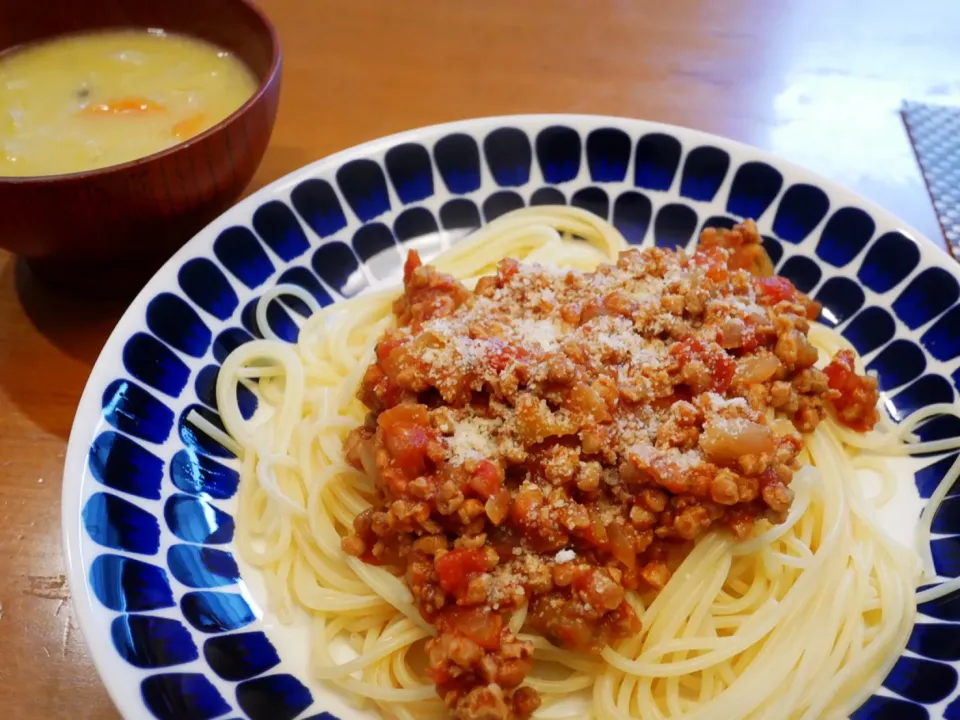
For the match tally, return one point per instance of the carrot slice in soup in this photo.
(188, 127)
(124, 106)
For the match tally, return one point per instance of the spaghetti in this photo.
(803, 619)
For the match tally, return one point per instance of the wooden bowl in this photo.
(107, 230)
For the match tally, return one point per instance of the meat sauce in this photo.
(557, 439)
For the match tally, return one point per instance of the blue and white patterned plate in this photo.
(177, 628)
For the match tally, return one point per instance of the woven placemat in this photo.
(935, 134)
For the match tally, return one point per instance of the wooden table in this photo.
(790, 77)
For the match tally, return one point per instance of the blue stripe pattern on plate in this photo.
(172, 320)
(240, 656)
(500, 203)
(337, 266)
(228, 341)
(243, 255)
(703, 173)
(128, 585)
(841, 299)
(197, 521)
(182, 696)
(558, 152)
(365, 188)
(927, 390)
(410, 172)
(942, 339)
(656, 160)
(803, 272)
(317, 203)
(205, 387)
(123, 464)
(458, 160)
(216, 612)
(632, 213)
(202, 567)
(414, 223)
(302, 277)
(799, 211)
(592, 199)
(133, 410)
(372, 239)
(547, 196)
(937, 641)
(928, 477)
(888, 262)
(154, 364)
(898, 363)
(921, 680)
(608, 154)
(926, 296)
(871, 329)
(674, 226)
(116, 523)
(718, 221)
(509, 156)
(204, 283)
(198, 439)
(277, 225)
(274, 697)
(946, 556)
(773, 248)
(459, 214)
(151, 642)
(881, 707)
(845, 235)
(198, 474)
(755, 185)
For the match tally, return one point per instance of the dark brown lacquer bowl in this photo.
(107, 230)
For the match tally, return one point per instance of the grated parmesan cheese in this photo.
(564, 556)
(717, 403)
(473, 439)
(539, 332)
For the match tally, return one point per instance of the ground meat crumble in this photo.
(559, 438)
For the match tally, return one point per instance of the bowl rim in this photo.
(85, 605)
(270, 78)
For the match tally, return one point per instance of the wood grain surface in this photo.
(816, 81)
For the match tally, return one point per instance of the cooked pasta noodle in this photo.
(803, 620)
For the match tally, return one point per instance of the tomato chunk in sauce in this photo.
(856, 396)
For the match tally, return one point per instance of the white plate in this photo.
(178, 630)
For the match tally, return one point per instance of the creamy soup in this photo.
(88, 101)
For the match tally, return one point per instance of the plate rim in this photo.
(88, 407)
